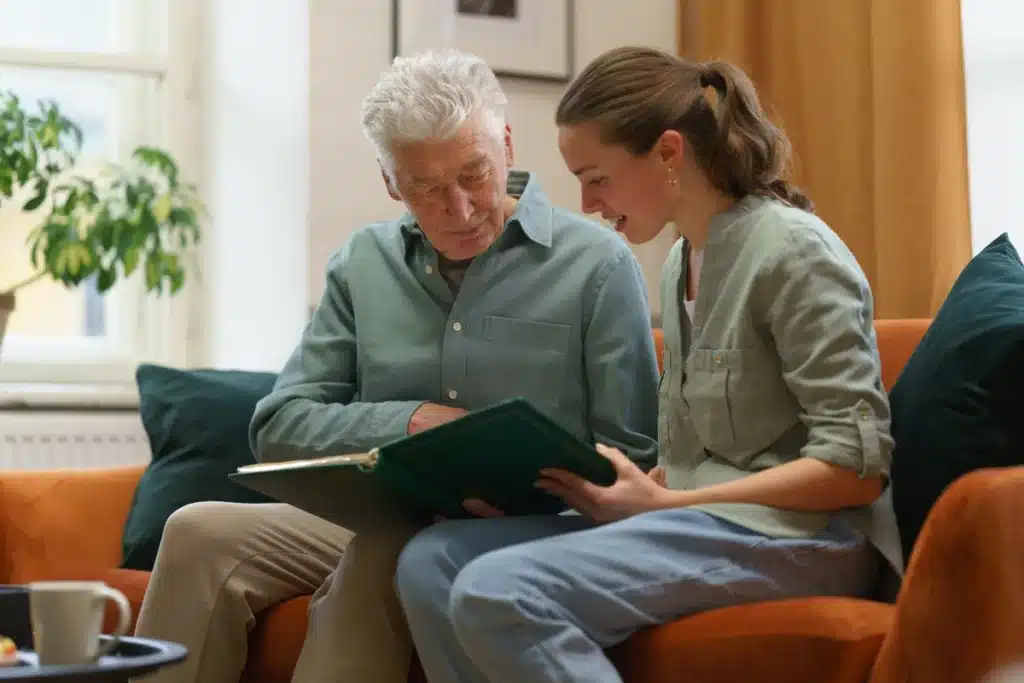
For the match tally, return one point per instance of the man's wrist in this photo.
(411, 426)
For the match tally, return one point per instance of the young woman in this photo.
(774, 439)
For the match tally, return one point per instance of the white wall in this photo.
(351, 46)
(289, 175)
(256, 139)
(993, 32)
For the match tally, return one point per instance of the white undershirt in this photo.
(696, 260)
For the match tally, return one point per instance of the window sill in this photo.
(50, 396)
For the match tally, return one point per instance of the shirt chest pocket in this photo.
(519, 357)
(738, 400)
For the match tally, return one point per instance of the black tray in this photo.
(132, 657)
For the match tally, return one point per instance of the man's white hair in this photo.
(431, 95)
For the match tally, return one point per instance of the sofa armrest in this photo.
(61, 522)
(897, 339)
(958, 615)
(817, 640)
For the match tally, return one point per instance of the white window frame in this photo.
(150, 328)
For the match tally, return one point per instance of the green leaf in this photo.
(130, 260)
(41, 192)
(149, 225)
(161, 208)
(177, 277)
(170, 261)
(152, 272)
(182, 216)
(141, 212)
(24, 170)
(78, 260)
(105, 280)
(158, 159)
(6, 180)
(34, 248)
(104, 232)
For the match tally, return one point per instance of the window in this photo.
(121, 70)
(993, 59)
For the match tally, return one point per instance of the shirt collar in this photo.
(532, 215)
(721, 223)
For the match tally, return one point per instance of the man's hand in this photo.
(477, 508)
(658, 476)
(480, 508)
(431, 414)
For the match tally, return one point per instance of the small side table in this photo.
(133, 657)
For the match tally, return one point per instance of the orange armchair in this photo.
(956, 620)
(957, 616)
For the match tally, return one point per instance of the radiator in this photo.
(43, 440)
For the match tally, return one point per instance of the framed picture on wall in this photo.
(530, 39)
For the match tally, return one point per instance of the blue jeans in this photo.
(538, 599)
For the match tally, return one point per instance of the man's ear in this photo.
(510, 152)
(388, 183)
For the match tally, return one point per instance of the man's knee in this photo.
(381, 546)
(198, 531)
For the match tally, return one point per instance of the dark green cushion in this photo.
(956, 406)
(197, 422)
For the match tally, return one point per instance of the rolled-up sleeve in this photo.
(820, 316)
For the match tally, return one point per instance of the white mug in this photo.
(67, 620)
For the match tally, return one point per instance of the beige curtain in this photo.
(871, 92)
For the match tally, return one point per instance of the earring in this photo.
(671, 178)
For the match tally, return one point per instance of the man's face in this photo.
(455, 188)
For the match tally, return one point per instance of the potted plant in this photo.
(106, 222)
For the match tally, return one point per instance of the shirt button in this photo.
(452, 394)
(457, 327)
(429, 269)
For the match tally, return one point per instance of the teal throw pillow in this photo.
(956, 406)
(197, 422)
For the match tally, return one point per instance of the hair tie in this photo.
(704, 77)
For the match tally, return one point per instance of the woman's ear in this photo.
(670, 148)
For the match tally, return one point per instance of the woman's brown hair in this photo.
(635, 94)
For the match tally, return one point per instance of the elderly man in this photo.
(482, 292)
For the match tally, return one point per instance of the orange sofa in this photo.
(957, 617)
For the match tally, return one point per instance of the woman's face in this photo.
(636, 193)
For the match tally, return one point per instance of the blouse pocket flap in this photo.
(716, 360)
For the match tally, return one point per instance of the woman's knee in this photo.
(431, 560)
(497, 590)
(421, 567)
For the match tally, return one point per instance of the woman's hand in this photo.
(633, 492)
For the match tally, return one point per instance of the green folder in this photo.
(494, 454)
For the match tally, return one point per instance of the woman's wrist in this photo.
(669, 499)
